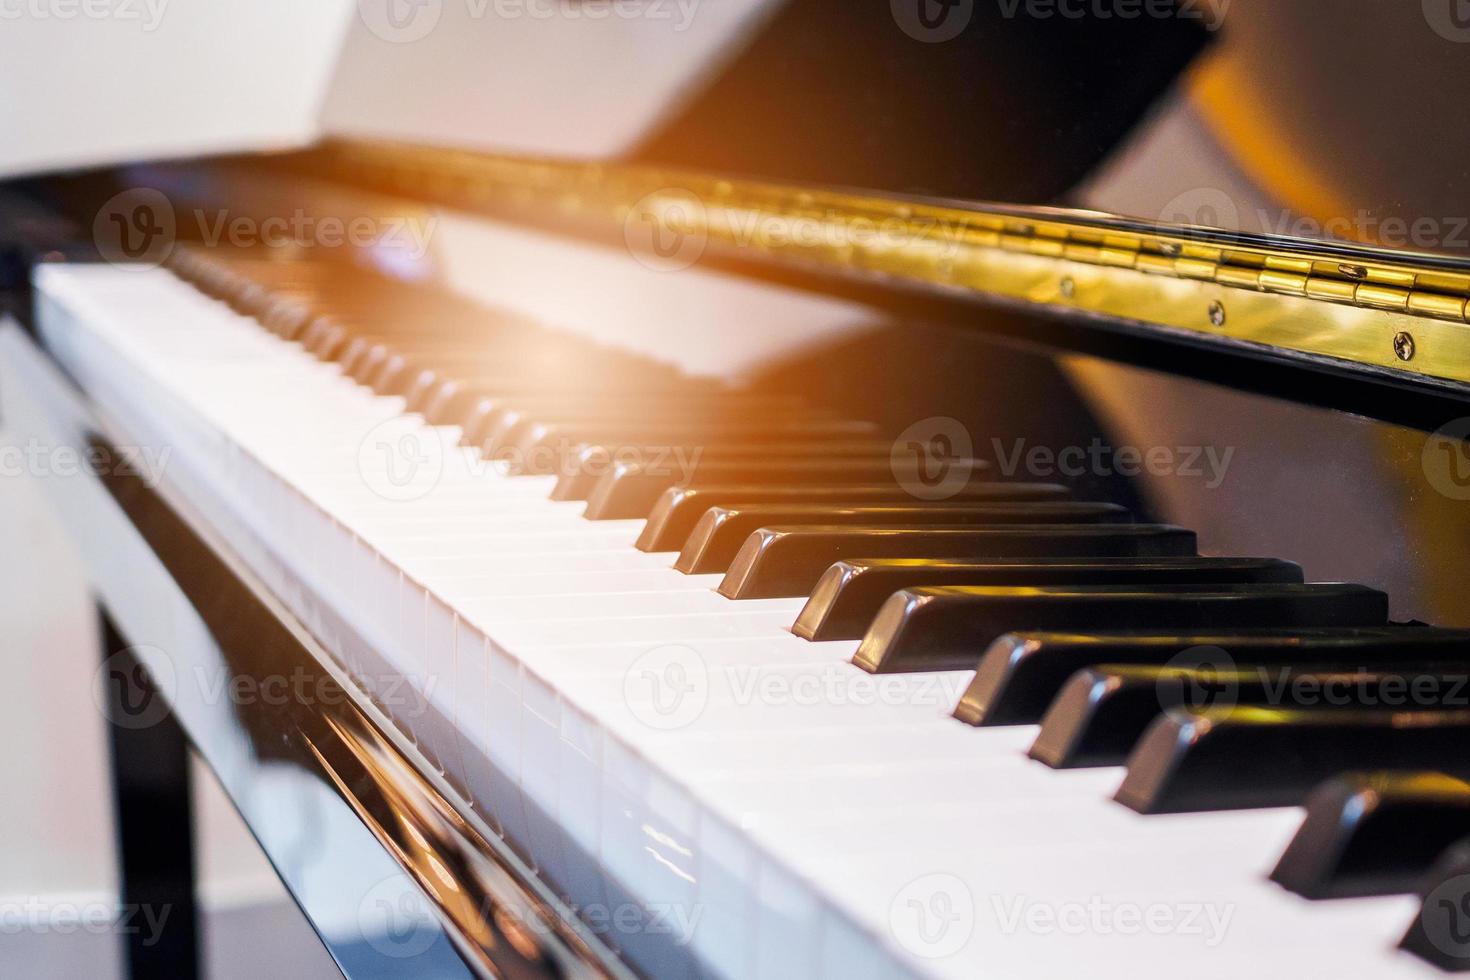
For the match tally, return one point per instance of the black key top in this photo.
(721, 532)
(680, 508)
(1242, 758)
(780, 562)
(950, 627)
(479, 404)
(1374, 834)
(631, 491)
(848, 596)
(1100, 714)
(1021, 673)
(513, 386)
(1440, 933)
(592, 462)
(570, 439)
(554, 448)
(625, 424)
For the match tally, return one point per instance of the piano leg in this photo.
(150, 787)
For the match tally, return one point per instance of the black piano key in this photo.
(950, 627)
(584, 420)
(520, 389)
(680, 508)
(630, 491)
(780, 562)
(618, 436)
(1440, 933)
(454, 400)
(848, 595)
(1020, 674)
(720, 533)
(554, 448)
(1374, 834)
(1100, 714)
(360, 355)
(579, 478)
(1244, 757)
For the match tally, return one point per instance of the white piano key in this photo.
(803, 808)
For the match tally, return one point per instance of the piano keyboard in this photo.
(749, 700)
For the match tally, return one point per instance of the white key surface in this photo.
(641, 738)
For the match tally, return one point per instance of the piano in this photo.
(985, 498)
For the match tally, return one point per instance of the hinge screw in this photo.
(1172, 249)
(1403, 345)
(1353, 271)
(1217, 314)
(1069, 287)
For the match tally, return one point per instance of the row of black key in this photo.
(1015, 579)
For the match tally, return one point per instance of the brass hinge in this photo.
(1077, 260)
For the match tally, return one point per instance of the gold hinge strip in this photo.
(936, 242)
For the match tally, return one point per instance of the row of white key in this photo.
(806, 813)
